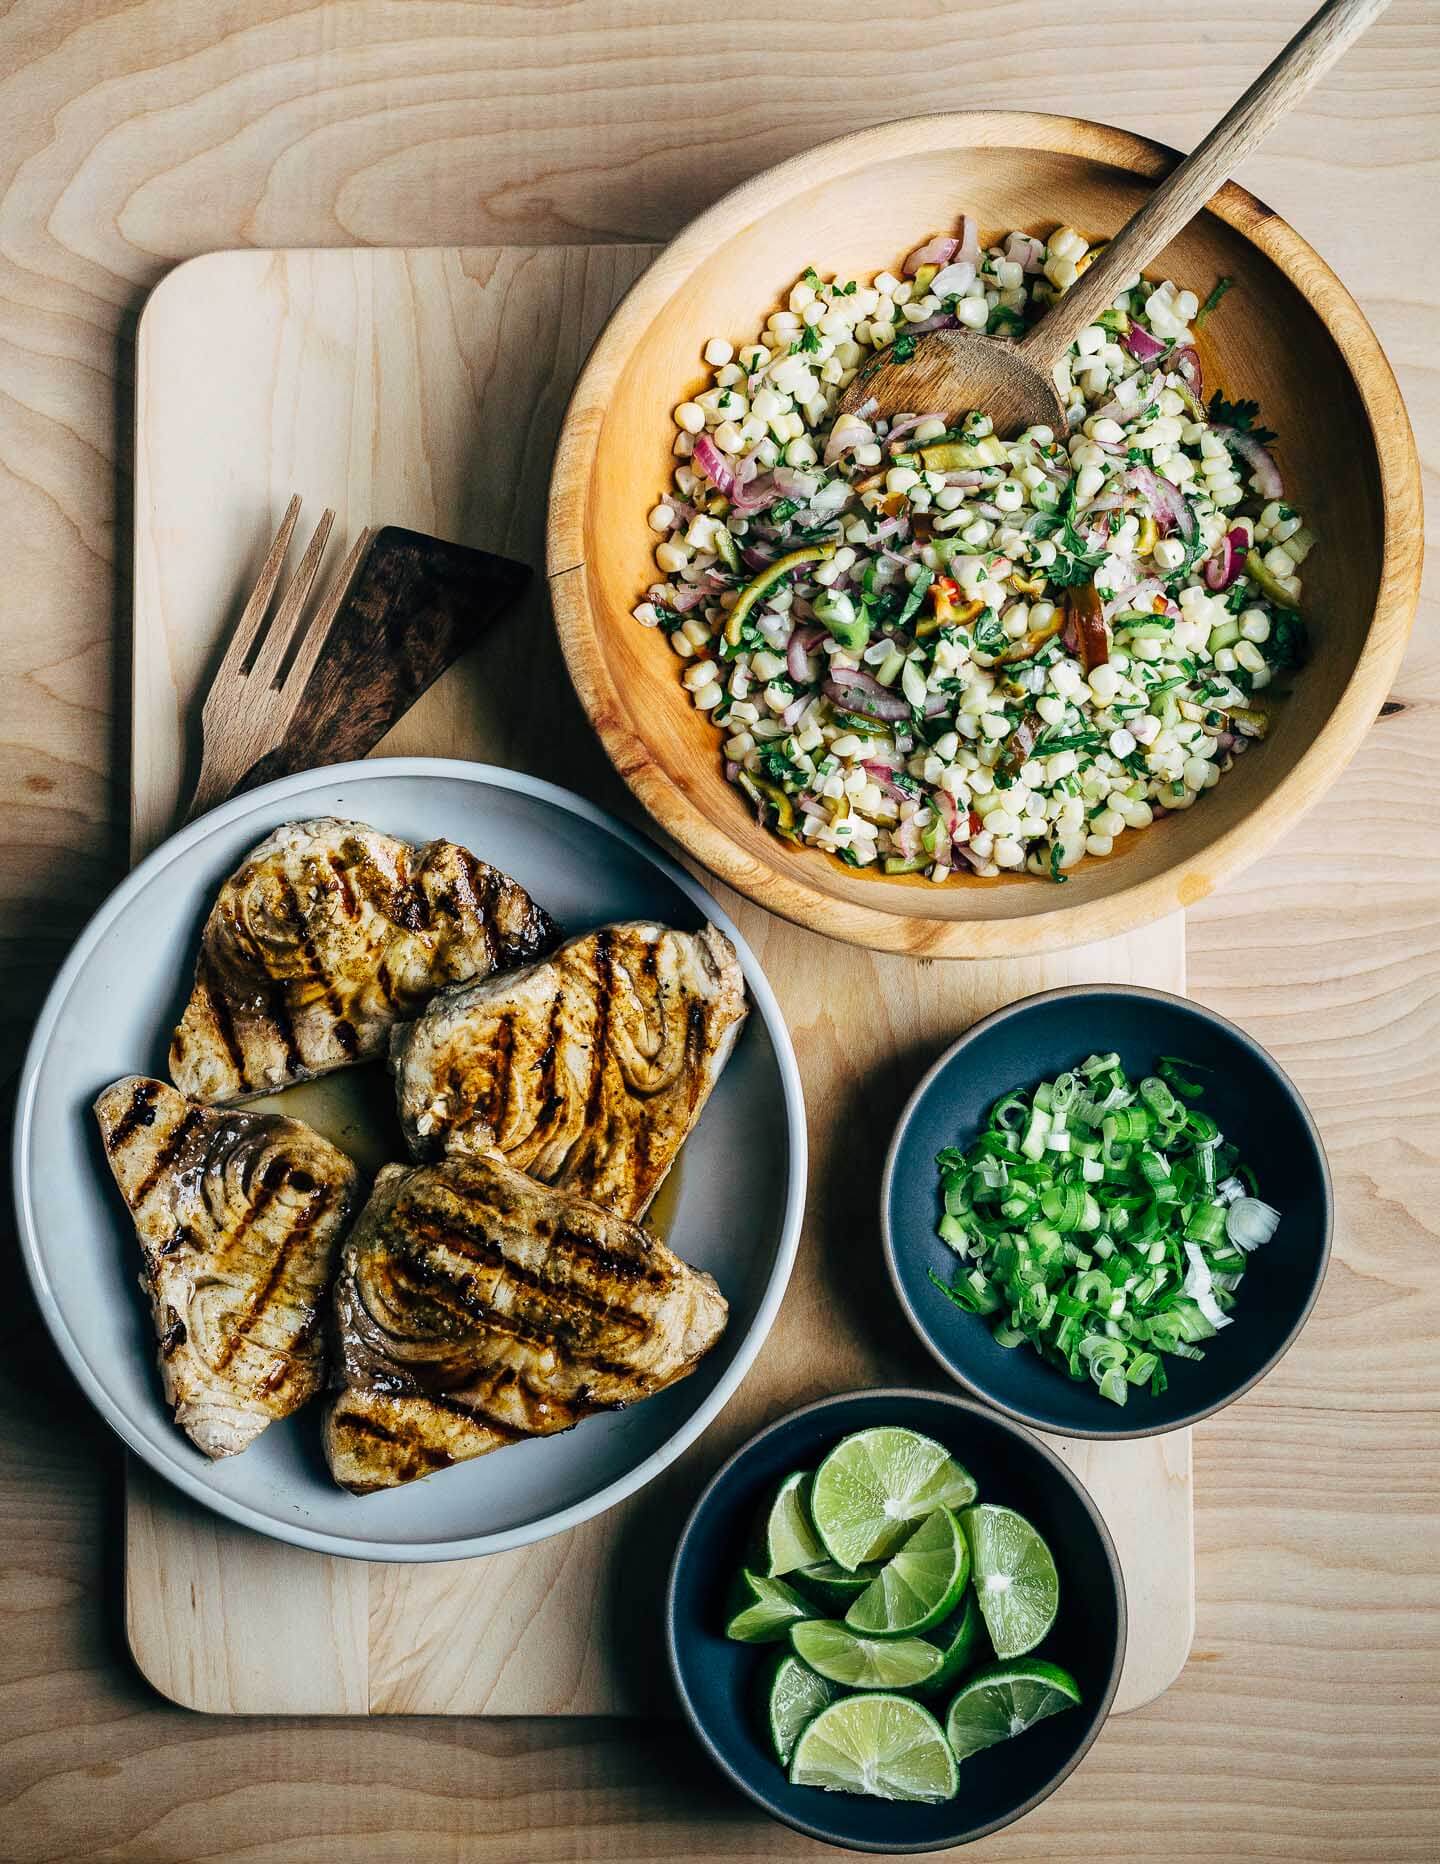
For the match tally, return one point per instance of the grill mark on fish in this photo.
(548, 1064)
(173, 1336)
(532, 1333)
(140, 1112)
(441, 1231)
(500, 1074)
(166, 1156)
(605, 979)
(224, 1021)
(255, 1307)
(425, 1454)
(342, 885)
(318, 975)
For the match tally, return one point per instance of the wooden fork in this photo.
(255, 694)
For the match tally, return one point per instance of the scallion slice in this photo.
(1104, 1221)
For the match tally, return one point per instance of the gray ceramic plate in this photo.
(110, 1013)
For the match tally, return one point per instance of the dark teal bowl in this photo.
(1256, 1105)
(717, 1680)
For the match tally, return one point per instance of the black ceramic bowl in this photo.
(1256, 1105)
(718, 1680)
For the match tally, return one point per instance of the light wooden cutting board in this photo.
(425, 388)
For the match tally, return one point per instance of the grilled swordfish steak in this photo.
(238, 1216)
(475, 1307)
(586, 1070)
(327, 935)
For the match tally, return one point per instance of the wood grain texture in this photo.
(1306, 1724)
(532, 1632)
(1293, 338)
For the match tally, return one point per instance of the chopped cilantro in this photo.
(1055, 874)
(1288, 644)
(669, 619)
(1240, 415)
(808, 341)
(903, 348)
(848, 856)
(811, 277)
(782, 509)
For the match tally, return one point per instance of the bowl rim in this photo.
(1017, 1413)
(787, 889)
(884, 1396)
(170, 1462)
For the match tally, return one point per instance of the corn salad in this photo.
(934, 651)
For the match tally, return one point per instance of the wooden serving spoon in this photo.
(1014, 382)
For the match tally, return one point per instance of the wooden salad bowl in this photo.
(1289, 336)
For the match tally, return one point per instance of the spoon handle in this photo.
(1182, 194)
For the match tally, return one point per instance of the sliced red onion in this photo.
(942, 846)
(790, 717)
(1186, 364)
(810, 802)
(755, 558)
(844, 438)
(798, 663)
(1026, 252)
(937, 251)
(732, 770)
(796, 482)
(969, 857)
(1223, 566)
(936, 703)
(968, 250)
(905, 424)
(760, 493)
(1141, 596)
(887, 527)
(937, 320)
(987, 510)
(906, 837)
(1171, 508)
(884, 777)
(970, 477)
(953, 281)
(1106, 501)
(1141, 345)
(688, 596)
(1263, 469)
(714, 465)
(859, 692)
(949, 812)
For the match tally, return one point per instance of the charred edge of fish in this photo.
(172, 1335)
(435, 1229)
(167, 1155)
(140, 1112)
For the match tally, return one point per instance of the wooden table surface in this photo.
(134, 133)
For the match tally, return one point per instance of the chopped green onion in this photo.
(1140, 1176)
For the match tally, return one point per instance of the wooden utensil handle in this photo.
(1182, 194)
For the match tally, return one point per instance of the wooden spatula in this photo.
(290, 697)
(1014, 383)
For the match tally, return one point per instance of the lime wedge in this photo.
(885, 1746)
(959, 1640)
(1016, 1584)
(794, 1696)
(787, 1539)
(919, 1585)
(832, 1584)
(874, 1486)
(762, 1609)
(1005, 1699)
(863, 1662)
